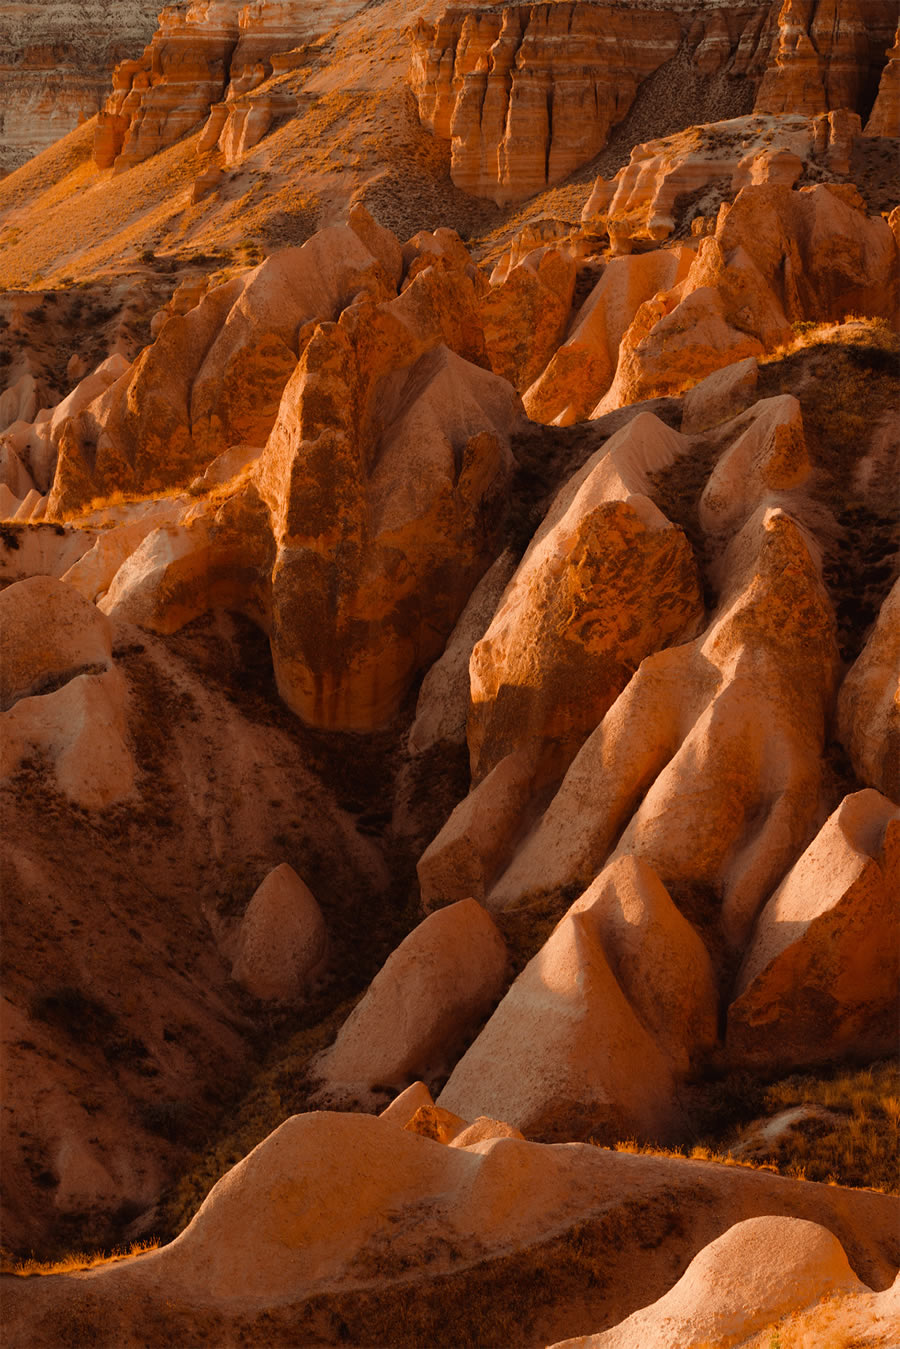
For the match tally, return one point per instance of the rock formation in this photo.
(55, 66)
(433, 991)
(556, 1059)
(885, 116)
(529, 93)
(319, 1240)
(869, 705)
(761, 1269)
(282, 941)
(449, 604)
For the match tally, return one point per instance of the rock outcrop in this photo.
(55, 66)
(709, 164)
(60, 693)
(760, 1269)
(432, 992)
(557, 1058)
(527, 94)
(282, 942)
(827, 54)
(884, 119)
(777, 257)
(568, 631)
(606, 580)
(167, 91)
(869, 703)
(50, 633)
(297, 1231)
(581, 369)
(730, 698)
(821, 976)
(214, 376)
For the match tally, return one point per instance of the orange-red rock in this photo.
(884, 119)
(869, 703)
(430, 994)
(606, 580)
(592, 1035)
(821, 976)
(282, 942)
(743, 1282)
(708, 765)
(527, 94)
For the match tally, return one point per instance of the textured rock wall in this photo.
(528, 93)
(827, 54)
(55, 66)
(207, 56)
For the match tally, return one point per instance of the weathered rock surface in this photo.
(55, 67)
(525, 314)
(527, 94)
(214, 376)
(869, 703)
(760, 1269)
(824, 56)
(821, 977)
(81, 730)
(642, 200)
(777, 257)
(884, 119)
(557, 1059)
(282, 942)
(302, 1217)
(167, 91)
(583, 365)
(50, 634)
(432, 992)
(768, 459)
(734, 701)
(606, 580)
(723, 394)
(406, 479)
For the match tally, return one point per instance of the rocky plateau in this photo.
(450, 679)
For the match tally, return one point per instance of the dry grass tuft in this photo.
(75, 1261)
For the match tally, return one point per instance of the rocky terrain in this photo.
(55, 66)
(450, 603)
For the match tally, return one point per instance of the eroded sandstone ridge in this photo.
(450, 694)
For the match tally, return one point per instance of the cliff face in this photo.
(201, 54)
(826, 54)
(529, 93)
(55, 66)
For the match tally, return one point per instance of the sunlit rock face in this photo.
(199, 56)
(528, 93)
(826, 54)
(55, 66)
(161, 95)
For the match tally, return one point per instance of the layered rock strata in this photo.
(55, 67)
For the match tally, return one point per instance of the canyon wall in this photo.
(55, 66)
(206, 55)
(527, 94)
